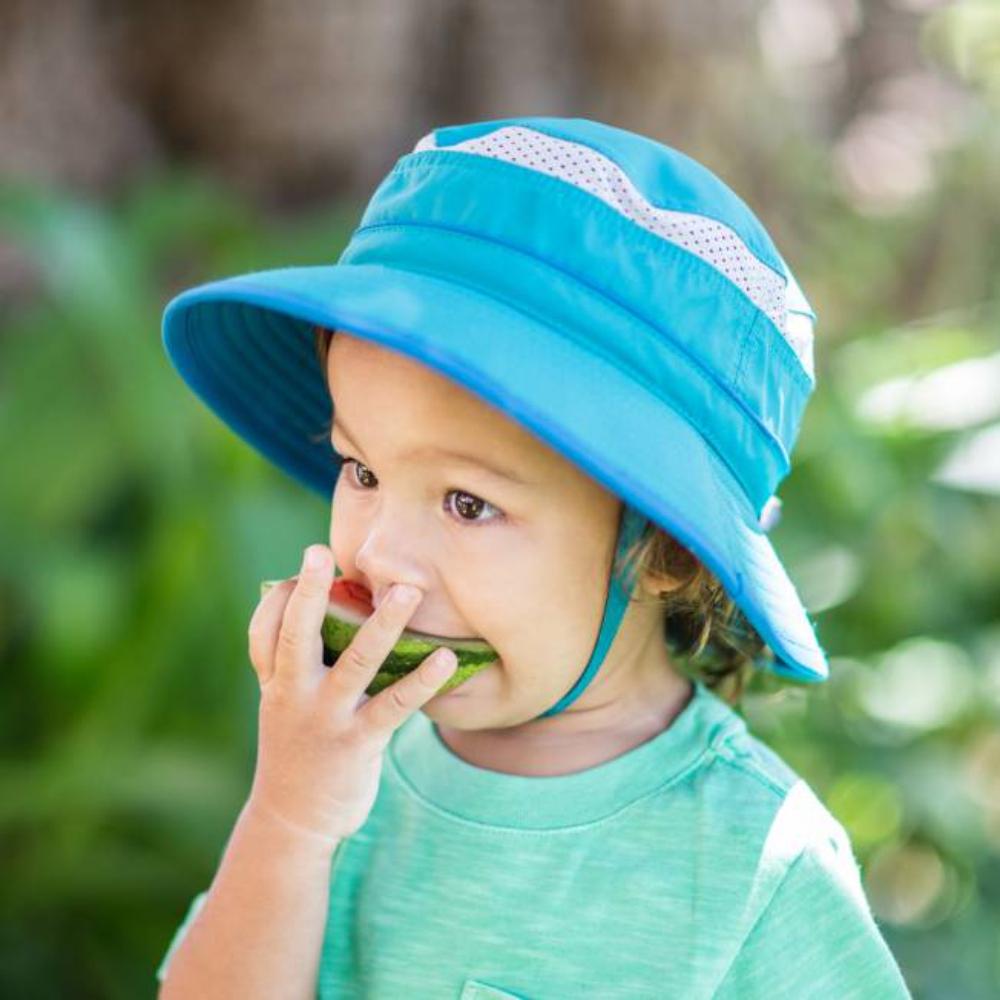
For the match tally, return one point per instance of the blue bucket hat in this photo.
(605, 290)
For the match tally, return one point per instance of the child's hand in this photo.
(320, 737)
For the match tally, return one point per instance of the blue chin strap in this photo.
(630, 529)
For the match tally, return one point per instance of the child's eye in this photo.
(467, 503)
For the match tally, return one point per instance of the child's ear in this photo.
(659, 584)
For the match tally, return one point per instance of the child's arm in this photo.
(260, 930)
(320, 745)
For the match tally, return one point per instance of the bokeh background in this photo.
(148, 146)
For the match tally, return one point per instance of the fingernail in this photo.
(315, 558)
(441, 665)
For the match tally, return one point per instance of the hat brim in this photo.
(245, 346)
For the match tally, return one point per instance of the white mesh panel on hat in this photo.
(714, 242)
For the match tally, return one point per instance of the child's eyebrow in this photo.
(460, 456)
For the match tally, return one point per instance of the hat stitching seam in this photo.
(791, 363)
(744, 354)
(406, 163)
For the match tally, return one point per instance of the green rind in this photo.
(407, 654)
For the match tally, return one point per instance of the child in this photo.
(566, 367)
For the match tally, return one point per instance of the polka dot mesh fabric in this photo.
(714, 242)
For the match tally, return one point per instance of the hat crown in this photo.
(660, 189)
(634, 249)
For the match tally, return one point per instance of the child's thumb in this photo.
(262, 634)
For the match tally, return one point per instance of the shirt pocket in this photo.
(473, 989)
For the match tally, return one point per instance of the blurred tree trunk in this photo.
(294, 102)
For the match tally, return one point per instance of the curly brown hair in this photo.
(708, 635)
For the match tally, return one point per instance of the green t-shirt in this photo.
(696, 865)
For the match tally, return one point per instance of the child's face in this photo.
(523, 566)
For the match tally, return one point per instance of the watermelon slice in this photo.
(350, 604)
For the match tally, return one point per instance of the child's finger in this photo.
(390, 708)
(300, 642)
(262, 634)
(372, 643)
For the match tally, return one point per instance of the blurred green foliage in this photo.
(135, 528)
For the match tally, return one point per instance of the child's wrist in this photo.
(258, 815)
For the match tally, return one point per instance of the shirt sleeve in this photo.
(192, 912)
(816, 937)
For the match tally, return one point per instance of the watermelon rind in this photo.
(412, 648)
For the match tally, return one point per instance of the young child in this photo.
(564, 367)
